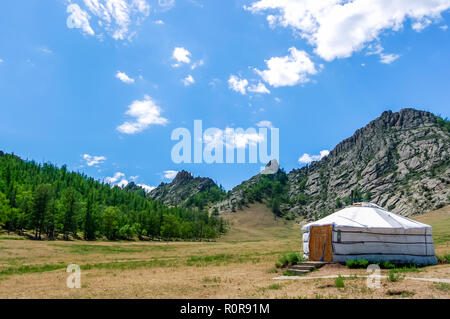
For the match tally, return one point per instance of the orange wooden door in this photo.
(320, 248)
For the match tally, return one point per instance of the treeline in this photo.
(44, 200)
(202, 199)
(271, 188)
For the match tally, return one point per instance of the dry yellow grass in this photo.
(239, 265)
(440, 221)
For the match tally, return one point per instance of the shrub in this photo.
(359, 263)
(399, 267)
(294, 257)
(387, 265)
(393, 276)
(283, 261)
(443, 259)
(289, 259)
(127, 232)
(339, 282)
(405, 268)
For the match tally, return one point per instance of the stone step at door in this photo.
(305, 267)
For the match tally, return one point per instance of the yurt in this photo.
(367, 231)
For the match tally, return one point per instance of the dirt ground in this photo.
(239, 265)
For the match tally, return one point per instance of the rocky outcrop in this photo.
(182, 187)
(400, 161)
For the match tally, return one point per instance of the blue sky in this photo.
(316, 70)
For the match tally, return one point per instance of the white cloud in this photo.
(122, 76)
(237, 84)
(306, 158)
(272, 20)
(79, 19)
(117, 176)
(374, 49)
(114, 16)
(92, 160)
(167, 4)
(45, 50)
(1, 61)
(241, 140)
(377, 49)
(141, 6)
(147, 188)
(443, 27)
(119, 179)
(214, 82)
(197, 64)
(160, 22)
(170, 174)
(288, 70)
(338, 28)
(420, 25)
(258, 88)
(388, 58)
(146, 113)
(267, 124)
(122, 183)
(189, 80)
(181, 55)
(232, 138)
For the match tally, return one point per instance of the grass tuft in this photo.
(289, 259)
(339, 282)
(442, 286)
(393, 276)
(275, 287)
(443, 259)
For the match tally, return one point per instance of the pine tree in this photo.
(42, 197)
(89, 219)
(70, 207)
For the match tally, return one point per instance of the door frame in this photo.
(327, 254)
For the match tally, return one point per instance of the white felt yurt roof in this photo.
(366, 216)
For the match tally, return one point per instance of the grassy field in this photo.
(239, 265)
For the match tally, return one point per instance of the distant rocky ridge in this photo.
(182, 187)
(400, 161)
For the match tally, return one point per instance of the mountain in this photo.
(399, 161)
(183, 189)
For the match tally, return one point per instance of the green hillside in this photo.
(44, 201)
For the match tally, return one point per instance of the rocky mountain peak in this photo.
(182, 187)
(405, 119)
(271, 167)
(182, 177)
(399, 161)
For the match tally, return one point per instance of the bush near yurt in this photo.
(289, 259)
(363, 263)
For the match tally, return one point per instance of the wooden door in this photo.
(320, 247)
